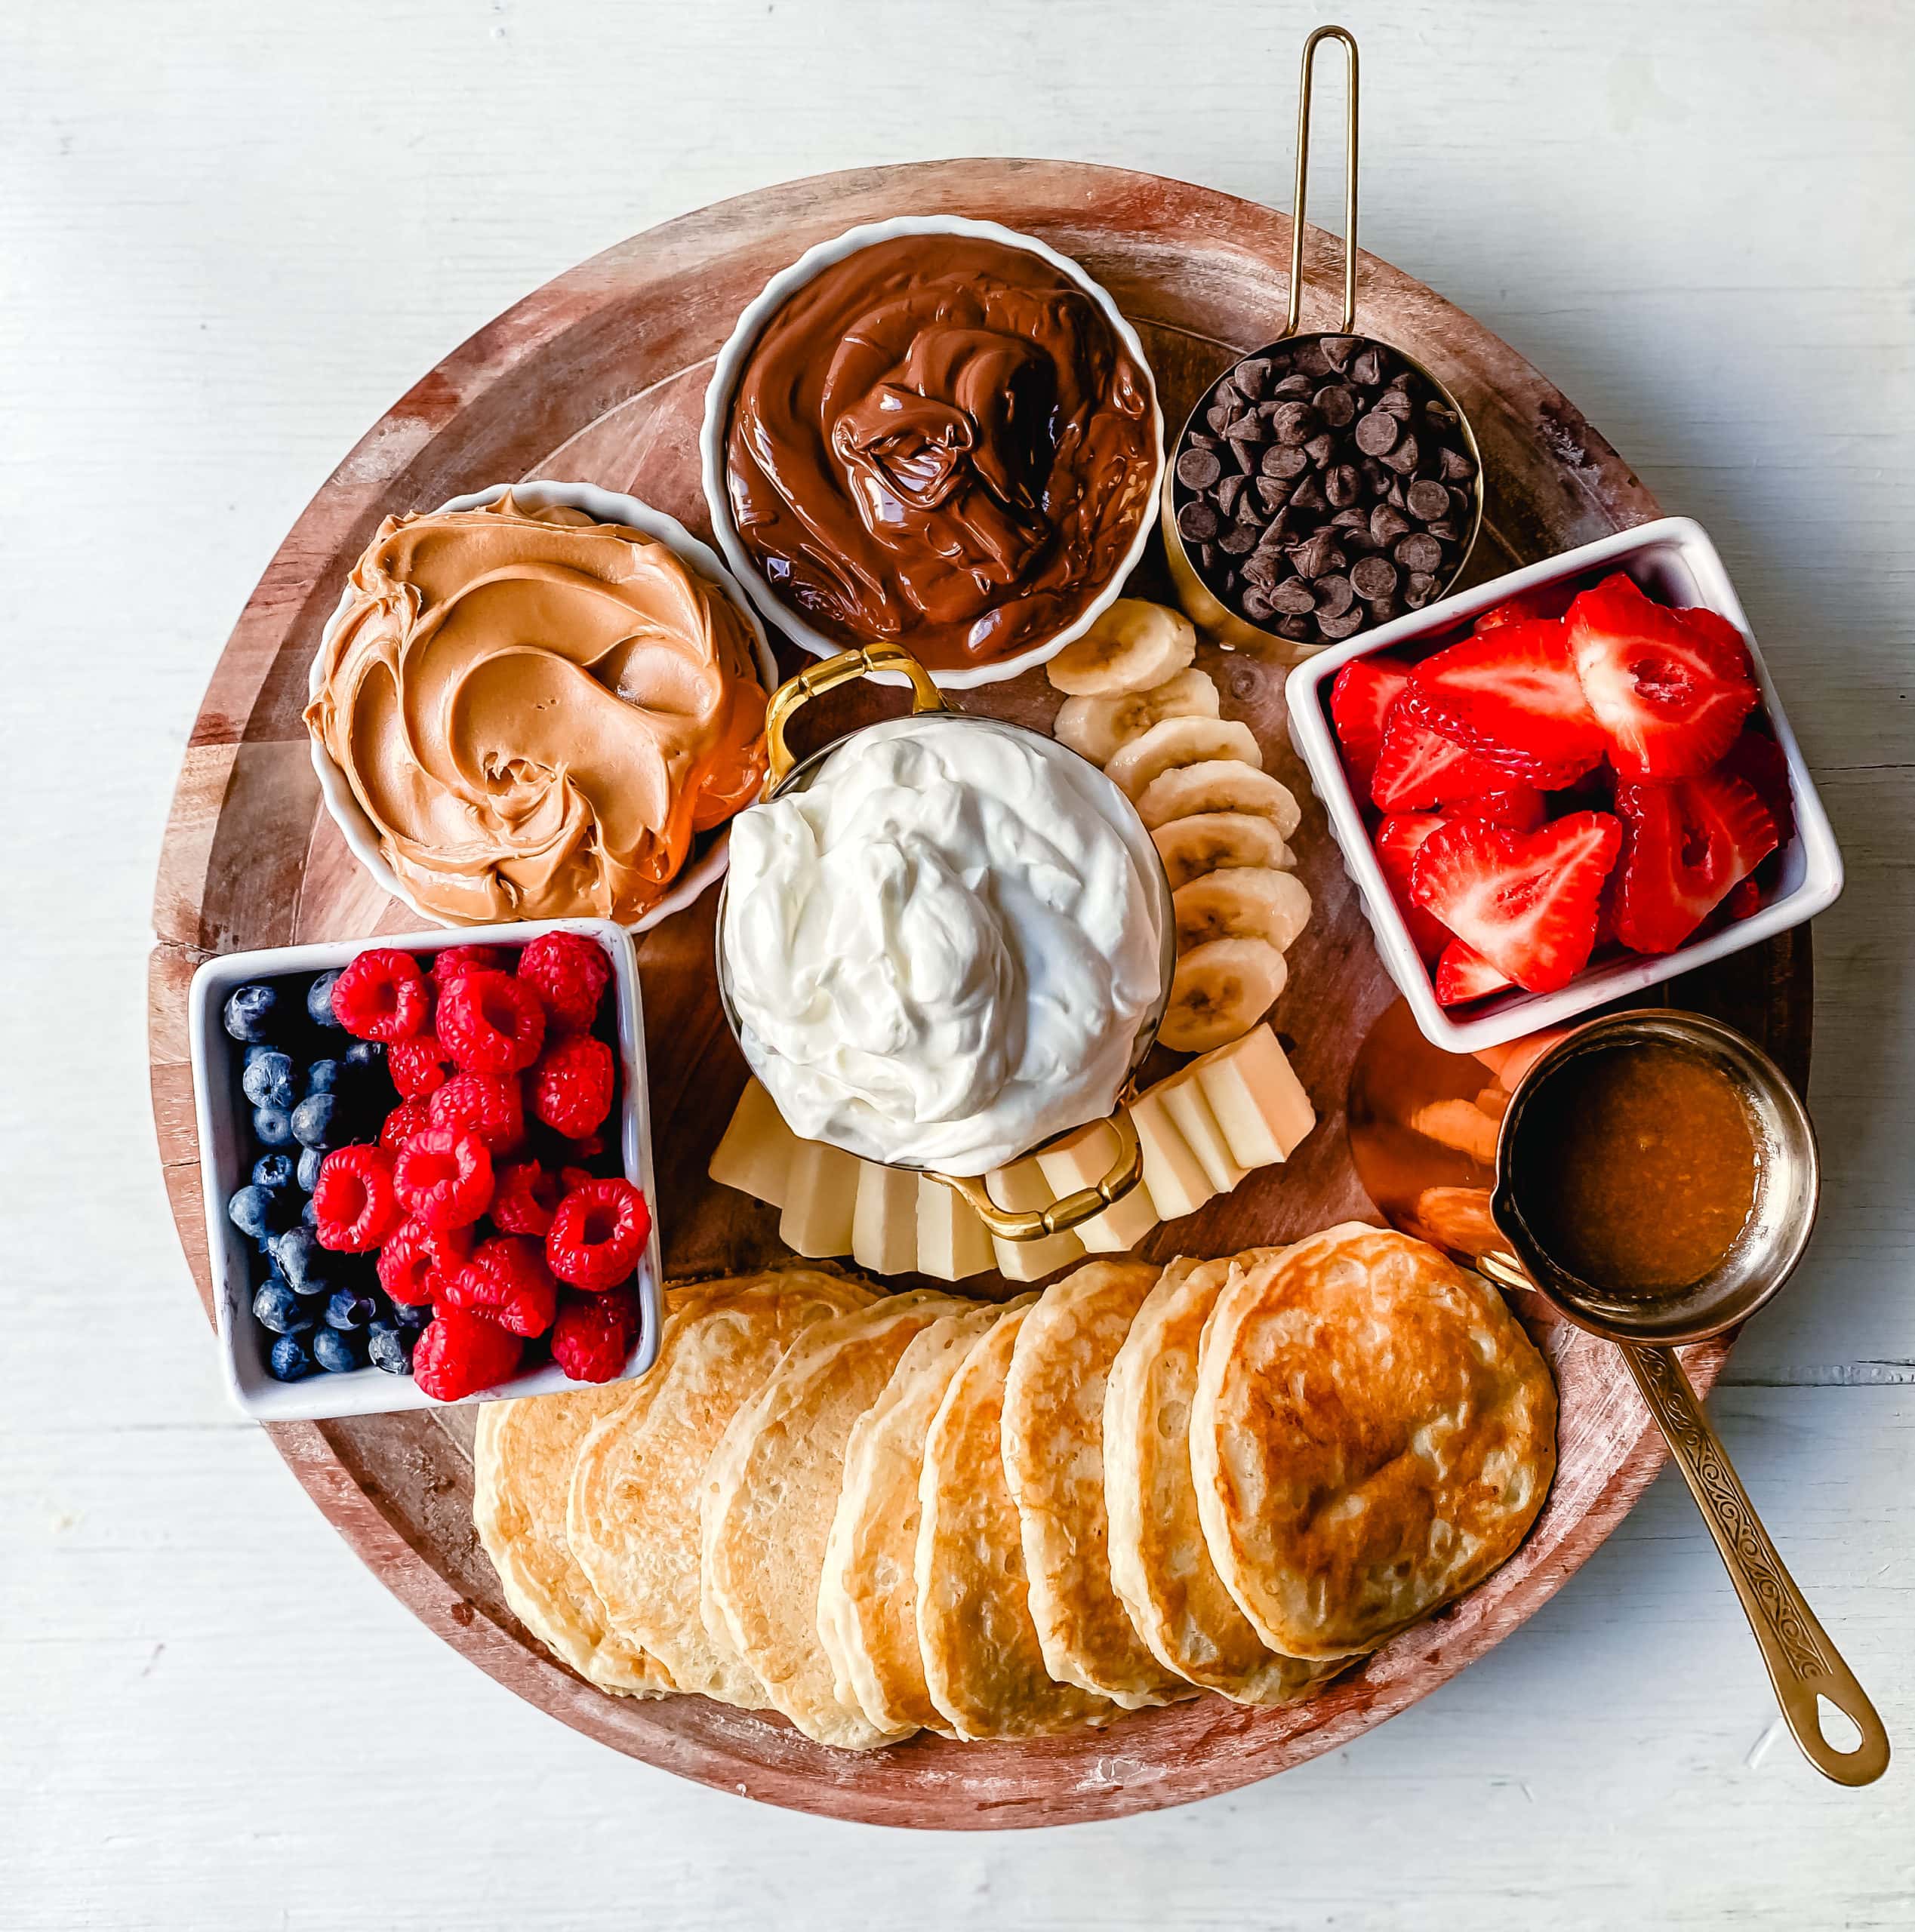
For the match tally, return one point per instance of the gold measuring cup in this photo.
(787, 773)
(1440, 1147)
(1202, 605)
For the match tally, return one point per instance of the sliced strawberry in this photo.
(1669, 688)
(1548, 600)
(1399, 838)
(1360, 699)
(1685, 847)
(1744, 900)
(1525, 901)
(1519, 807)
(1512, 697)
(1761, 763)
(1462, 974)
(1418, 768)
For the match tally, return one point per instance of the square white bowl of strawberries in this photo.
(1565, 786)
(426, 1165)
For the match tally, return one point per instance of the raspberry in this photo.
(589, 1146)
(523, 1201)
(382, 995)
(571, 1086)
(417, 1260)
(597, 1235)
(591, 1339)
(487, 1104)
(409, 1118)
(507, 1281)
(444, 1178)
(450, 962)
(570, 1179)
(458, 1354)
(570, 973)
(352, 1200)
(418, 1066)
(490, 1022)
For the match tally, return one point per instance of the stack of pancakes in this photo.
(879, 1514)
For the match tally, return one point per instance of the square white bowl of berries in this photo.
(426, 1164)
(1565, 786)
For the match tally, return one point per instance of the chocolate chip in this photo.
(1238, 540)
(1453, 465)
(1321, 449)
(1312, 558)
(1249, 510)
(1383, 610)
(1206, 556)
(1273, 492)
(1376, 478)
(1262, 567)
(1373, 577)
(1294, 595)
(1308, 495)
(1337, 349)
(1295, 423)
(1446, 530)
(1335, 595)
(1355, 518)
(1395, 402)
(1283, 460)
(1253, 376)
(1310, 361)
(1420, 590)
(1336, 403)
(1248, 428)
(1341, 483)
(1367, 369)
(1294, 389)
(1427, 501)
(1217, 417)
(1198, 522)
(1256, 604)
(1387, 524)
(1347, 624)
(1439, 415)
(1402, 458)
(1376, 433)
(1197, 470)
(1228, 491)
(1298, 630)
(1247, 454)
(1420, 552)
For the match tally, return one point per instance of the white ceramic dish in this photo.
(1673, 561)
(225, 1163)
(705, 866)
(718, 414)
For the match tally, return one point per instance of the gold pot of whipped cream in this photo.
(787, 775)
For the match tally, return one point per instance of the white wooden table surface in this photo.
(229, 236)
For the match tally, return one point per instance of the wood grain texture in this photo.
(599, 376)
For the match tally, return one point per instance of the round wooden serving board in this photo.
(600, 377)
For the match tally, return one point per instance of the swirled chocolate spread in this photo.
(939, 440)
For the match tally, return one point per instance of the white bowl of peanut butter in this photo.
(542, 699)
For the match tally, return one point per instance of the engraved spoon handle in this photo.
(1802, 1665)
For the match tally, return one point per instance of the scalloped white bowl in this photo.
(711, 853)
(718, 414)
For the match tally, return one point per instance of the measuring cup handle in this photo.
(1069, 1210)
(1803, 1666)
(1293, 317)
(846, 668)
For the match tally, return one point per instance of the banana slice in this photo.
(1221, 990)
(1096, 727)
(1242, 902)
(1191, 847)
(1217, 785)
(1177, 742)
(1133, 646)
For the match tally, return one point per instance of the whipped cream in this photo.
(940, 952)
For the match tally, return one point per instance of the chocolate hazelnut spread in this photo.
(940, 440)
(537, 712)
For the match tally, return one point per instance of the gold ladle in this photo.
(1456, 1180)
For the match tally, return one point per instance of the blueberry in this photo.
(273, 1172)
(411, 1313)
(307, 1173)
(391, 1348)
(291, 1360)
(309, 1214)
(276, 1307)
(350, 1308)
(337, 1353)
(273, 1126)
(301, 1260)
(313, 1120)
(323, 1076)
(365, 1054)
(319, 1000)
(251, 1211)
(268, 1081)
(249, 1011)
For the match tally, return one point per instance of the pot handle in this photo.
(845, 669)
(1070, 1211)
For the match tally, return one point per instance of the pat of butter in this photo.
(952, 1243)
(1173, 1174)
(821, 1200)
(756, 1153)
(1082, 1161)
(1022, 1186)
(884, 1220)
(1258, 1099)
(1188, 1106)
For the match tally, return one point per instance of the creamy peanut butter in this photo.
(536, 711)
